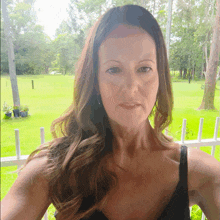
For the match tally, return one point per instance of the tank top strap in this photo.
(183, 168)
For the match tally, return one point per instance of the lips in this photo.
(129, 105)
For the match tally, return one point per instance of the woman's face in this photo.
(128, 77)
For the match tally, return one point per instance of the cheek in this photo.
(110, 88)
(109, 94)
(148, 89)
(153, 84)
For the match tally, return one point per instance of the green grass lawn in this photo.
(51, 96)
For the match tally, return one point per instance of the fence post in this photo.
(17, 144)
(203, 216)
(42, 135)
(200, 130)
(32, 83)
(216, 128)
(215, 134)
(183, 131)
(42, 140)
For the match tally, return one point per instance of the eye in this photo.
(144, 69)
(113, 70)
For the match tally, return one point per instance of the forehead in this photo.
(127, 41)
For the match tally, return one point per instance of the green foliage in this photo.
(190, 28)
(124, 2)
(6, 116)
(189, 132)
(24, 108)
(6, 108)
(32, 48)
(196, 213)
(35, 53)
(66, 53)
(89, 6)
(16, 107)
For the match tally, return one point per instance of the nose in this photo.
(131, 82)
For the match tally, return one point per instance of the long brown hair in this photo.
(76, 168)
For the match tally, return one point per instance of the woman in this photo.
(110, 163)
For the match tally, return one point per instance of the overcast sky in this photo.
(50, 14)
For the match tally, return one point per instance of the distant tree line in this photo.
(36, 53)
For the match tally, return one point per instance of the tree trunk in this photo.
(201, 74)
(205, 67)
(193, 72)
(210, 79)
(46, 69)
(189, 77)
(184, 73)
(11, 56)
(181, 75)
(168, 28)
(206, 58)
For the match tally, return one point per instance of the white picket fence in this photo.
(19, 159)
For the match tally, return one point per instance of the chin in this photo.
(130, 123)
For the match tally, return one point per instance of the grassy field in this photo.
(53, 94)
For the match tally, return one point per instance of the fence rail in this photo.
(19, 159)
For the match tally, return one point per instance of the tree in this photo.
(32, 47)
(192, 20)
(210, 81)
(191, 30)
(11, 56)
(38, 53)
(169, 20)
(67, 52)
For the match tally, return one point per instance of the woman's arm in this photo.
(206, 171)
(28, 197)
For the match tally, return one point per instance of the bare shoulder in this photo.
(34, 170)
(204, 178)
(28, 196)
(202, 167)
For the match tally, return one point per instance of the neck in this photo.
(128, 141)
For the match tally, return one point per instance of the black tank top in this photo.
(178, 206)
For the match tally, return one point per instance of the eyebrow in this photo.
(138, 62)
(146, 55)
(146, 60)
